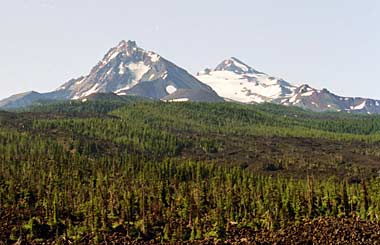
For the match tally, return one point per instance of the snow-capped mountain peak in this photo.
(129, 69)
(128, 49)
(126, 44)
(235, 80)
(235, 65)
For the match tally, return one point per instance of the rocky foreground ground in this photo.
(318, 231)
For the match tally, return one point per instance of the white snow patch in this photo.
(121, 68)
(111, 56)
(121, 89)
(360, 106)
(293, 99)
(138, 70)
(309, 93)
(247, 88)
(80, 81)
(93, 90)
(171, 89)
(180, 100)
(109, 71)
(154, 57)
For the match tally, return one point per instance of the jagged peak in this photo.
(127, 44)
(124, 47)
(305, 88)
(235, 65)
(128, 48)
(238, 62)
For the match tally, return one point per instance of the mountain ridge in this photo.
(234, 80)
(127, 69)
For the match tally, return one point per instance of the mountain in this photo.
(20, 100)
(236, 81)
(130, 70)
(125, 70)
(29, 98)
(324, 100)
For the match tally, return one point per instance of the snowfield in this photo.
(243, 84)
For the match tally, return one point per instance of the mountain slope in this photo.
(125, 70)
(236, 81)
(20, 100)
(128, 69)
(323, 100)
(199, 95)
(29, 98)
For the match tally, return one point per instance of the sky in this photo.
(332, 44)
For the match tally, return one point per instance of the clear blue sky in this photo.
(326, 43)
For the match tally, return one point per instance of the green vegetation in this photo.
(88, 171)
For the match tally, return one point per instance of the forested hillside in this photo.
(133, 170)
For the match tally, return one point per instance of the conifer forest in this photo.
(134, 171)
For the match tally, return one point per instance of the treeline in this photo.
(219, 114)
(231, 118)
